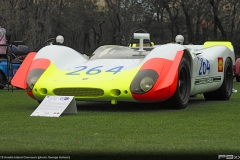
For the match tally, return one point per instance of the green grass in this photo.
(204, 127)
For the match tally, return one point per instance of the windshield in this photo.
(117, 52)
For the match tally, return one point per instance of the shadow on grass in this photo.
(132, 107)
(197, 101)
(119, 107)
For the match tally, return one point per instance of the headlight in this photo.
(32, 82)
(146, 84)
(144, 81)
(33, 77)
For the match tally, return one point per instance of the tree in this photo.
(217, 24)
(86, 25)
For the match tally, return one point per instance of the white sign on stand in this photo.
(54, 106)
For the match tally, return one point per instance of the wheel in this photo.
(181, 96)
(3, 80)
(238, 78)
(225, 91)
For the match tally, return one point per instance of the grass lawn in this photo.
(204, 128)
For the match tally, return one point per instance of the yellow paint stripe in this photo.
(215, 43)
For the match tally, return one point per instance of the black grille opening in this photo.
(79, 92)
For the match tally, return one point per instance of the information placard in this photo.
(54, 106)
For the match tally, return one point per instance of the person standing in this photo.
(3, 49)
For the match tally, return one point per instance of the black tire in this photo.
(225, 91)
(3, 80)
(238, 78)
(181, 96)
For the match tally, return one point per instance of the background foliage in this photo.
(87, 24)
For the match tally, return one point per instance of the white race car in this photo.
(168, 73)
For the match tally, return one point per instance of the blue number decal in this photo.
(115, 70)
(200, 69)
(204, 66)
(77, 71)
(94, 70)
(208, 67)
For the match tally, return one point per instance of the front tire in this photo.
(225, 91)
(181, 96)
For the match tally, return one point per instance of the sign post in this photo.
(54, 106)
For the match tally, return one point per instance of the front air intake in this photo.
(79, 92)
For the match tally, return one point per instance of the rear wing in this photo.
(216, 43)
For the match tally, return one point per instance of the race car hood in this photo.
(100, 69)
(112, 76)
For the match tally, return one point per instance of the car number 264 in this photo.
(204, 66)
(94, 70)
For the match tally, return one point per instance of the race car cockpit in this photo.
(121, 52)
